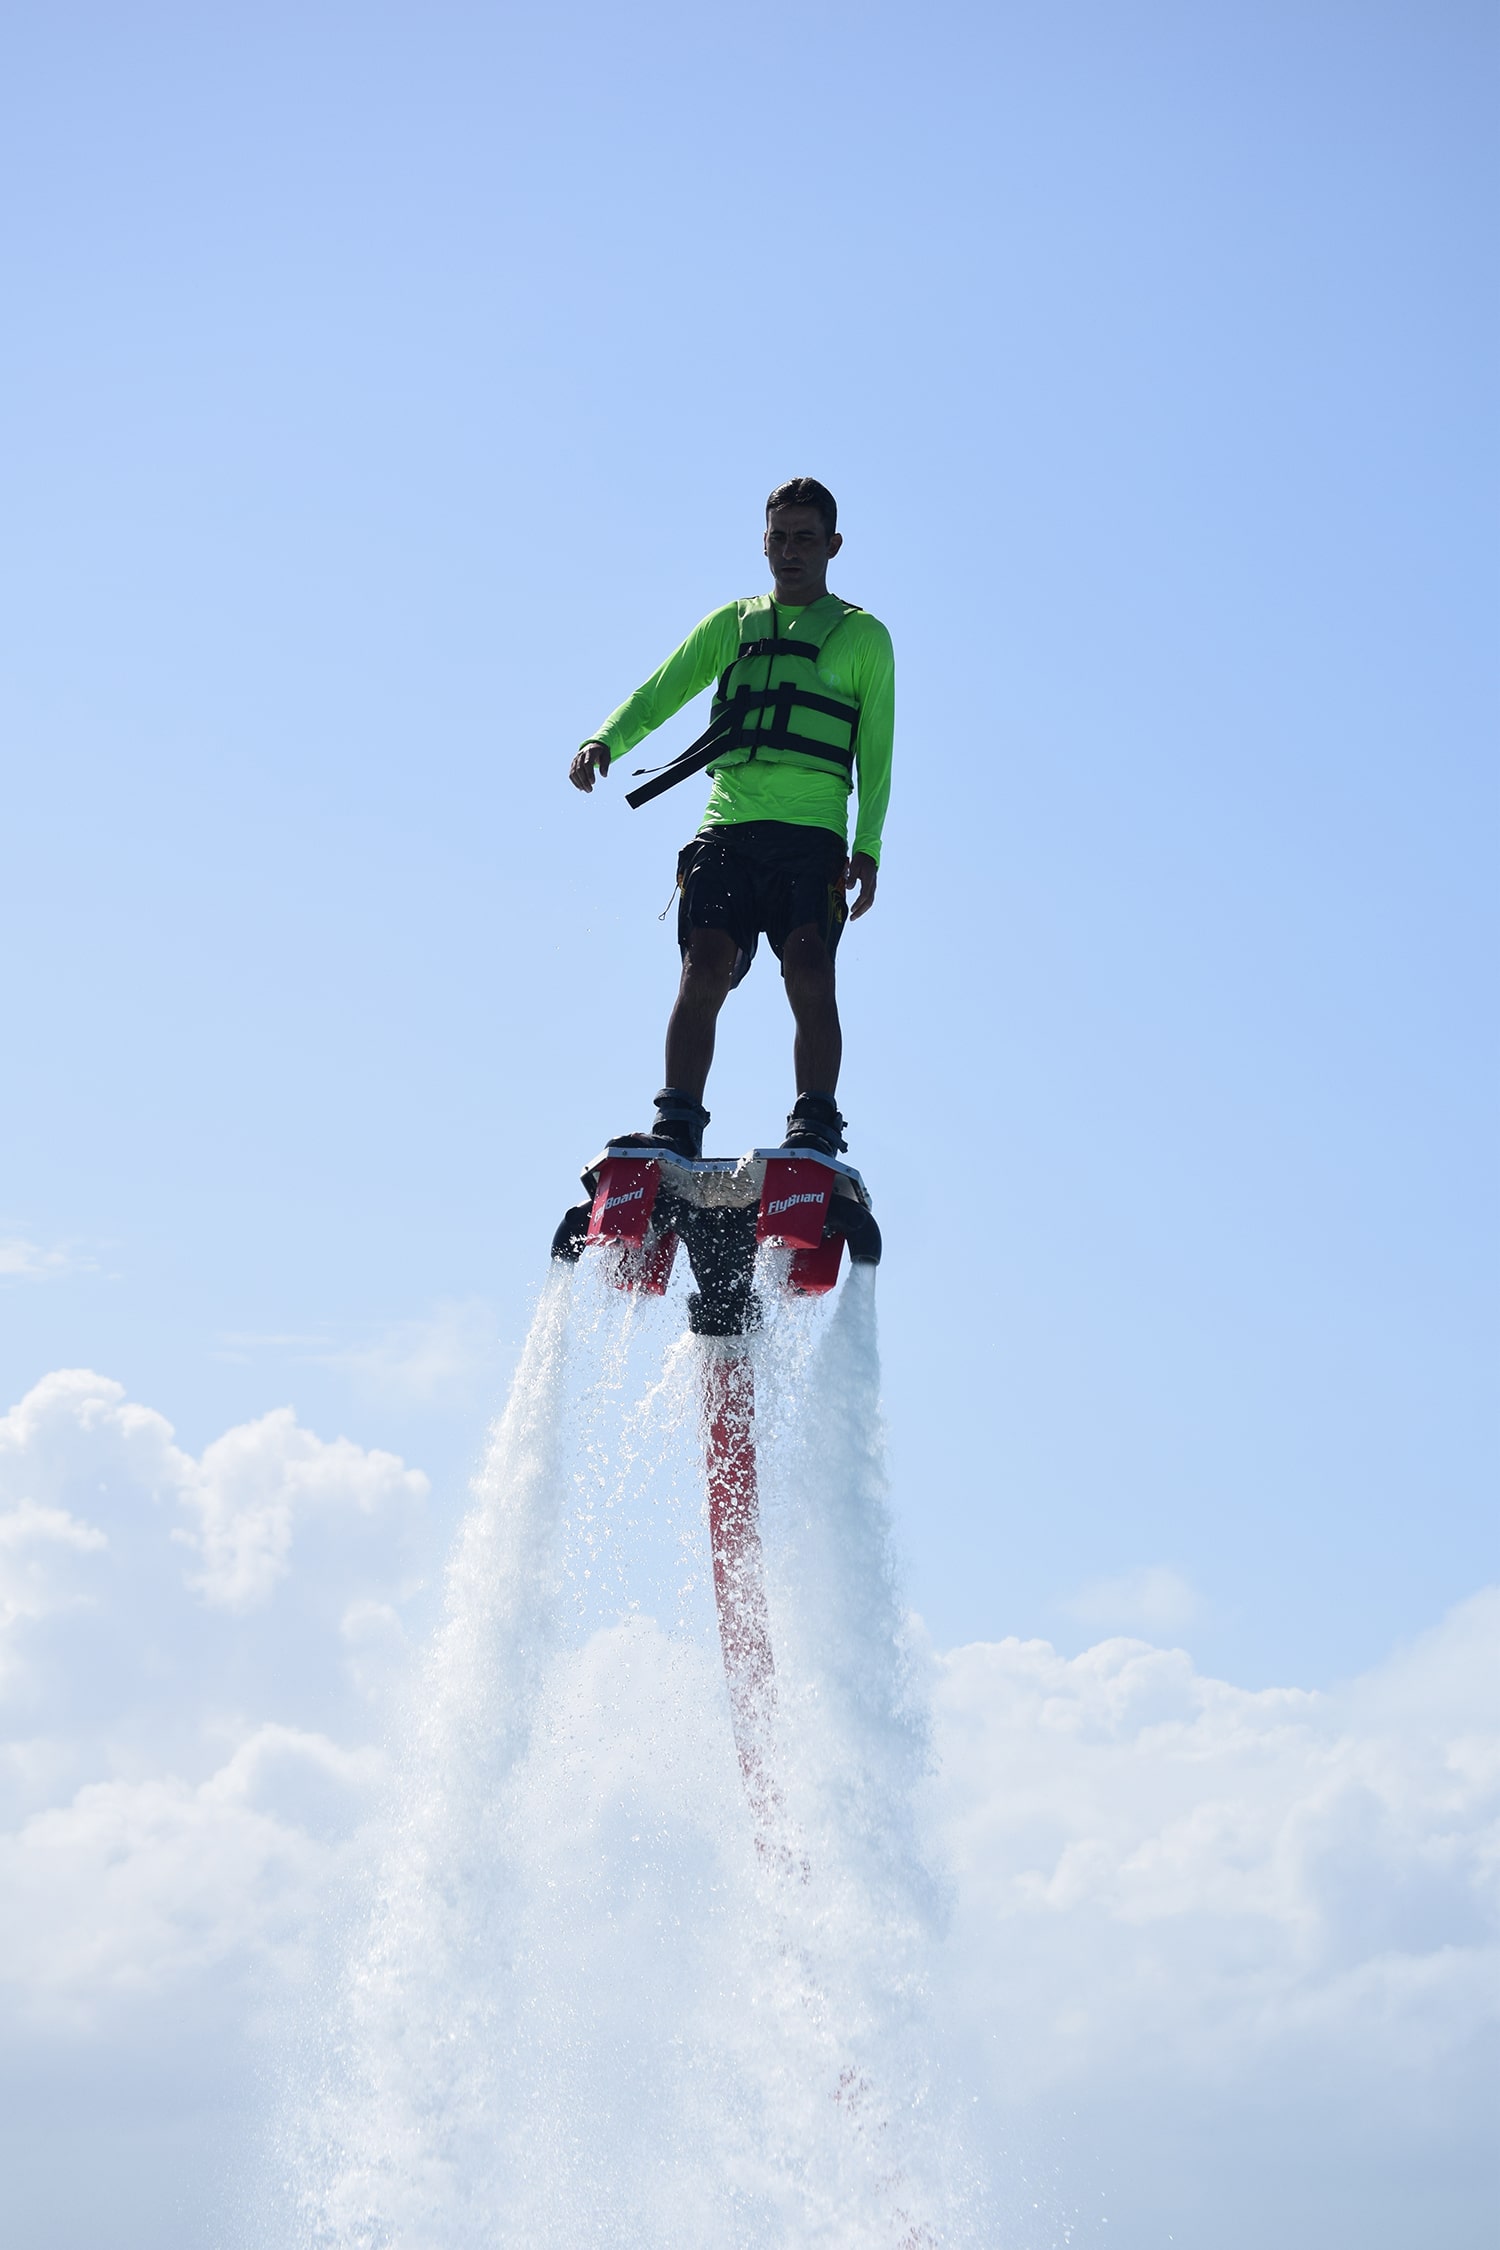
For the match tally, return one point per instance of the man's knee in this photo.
(806, 963)
(708, 963)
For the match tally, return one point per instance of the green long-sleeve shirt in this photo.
(856, 659)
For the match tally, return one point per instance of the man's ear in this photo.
(835, 541)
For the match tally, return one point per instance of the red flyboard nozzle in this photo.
(794, 1201)
(813, 1273)
(624, 1199)
(623, 1203)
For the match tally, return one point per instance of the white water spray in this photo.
(579, 2006)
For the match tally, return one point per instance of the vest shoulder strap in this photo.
(816, 624)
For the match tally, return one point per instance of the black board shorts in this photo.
(761, 877)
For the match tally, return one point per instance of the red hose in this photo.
(739, 1579)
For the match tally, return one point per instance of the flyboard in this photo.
(643, 1200)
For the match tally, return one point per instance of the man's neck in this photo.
(802, 599)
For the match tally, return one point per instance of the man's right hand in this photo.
(591, 759)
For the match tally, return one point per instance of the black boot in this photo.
(815, 1123)
(678, 1125)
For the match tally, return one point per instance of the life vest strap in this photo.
(692, 760)
(771, 709)
(778, 646)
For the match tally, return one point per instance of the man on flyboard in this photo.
(804, 706)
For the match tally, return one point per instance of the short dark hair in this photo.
(806, 492)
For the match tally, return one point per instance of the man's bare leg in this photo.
(807, 971)
(707, 968)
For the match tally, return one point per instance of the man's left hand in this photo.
(863, 871)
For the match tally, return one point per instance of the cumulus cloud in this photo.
(1125, 1790)
(252, 1486)
(244, 1498)
(1165, 1884)
(75, 1430)
(185, 1769)
(137, 1887)
(36, 1546)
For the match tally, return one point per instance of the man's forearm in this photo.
(877, 730)
(873, 770)
(686, 672)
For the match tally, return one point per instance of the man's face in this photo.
(799, 551)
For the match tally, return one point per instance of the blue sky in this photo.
(390, 388)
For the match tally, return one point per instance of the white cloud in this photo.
(136, 1887)
(1165, 1876)
(75, 1431)
(163, 1845)
(36, 1546)
(255, 1482)
(23, 1531)
(29, 1261)
(1152, 1599)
